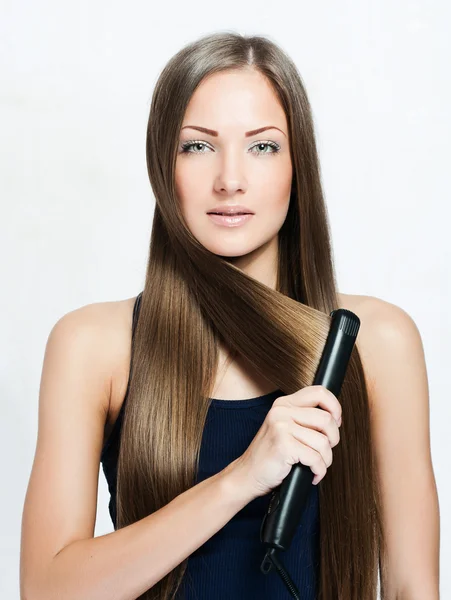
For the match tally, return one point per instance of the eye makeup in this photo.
(186, 147)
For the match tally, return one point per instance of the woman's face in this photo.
(230, 167)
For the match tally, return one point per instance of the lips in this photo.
(229, 214)
(230, 210)
(233, 220)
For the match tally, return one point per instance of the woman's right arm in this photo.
(60, 559)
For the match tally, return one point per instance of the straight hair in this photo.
(193, 300)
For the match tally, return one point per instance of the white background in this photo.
(76, 204)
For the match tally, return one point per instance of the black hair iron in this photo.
(289, 498)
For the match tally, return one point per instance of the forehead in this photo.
(235, 100)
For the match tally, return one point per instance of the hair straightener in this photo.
(289, 498)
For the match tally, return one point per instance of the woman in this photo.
(210, 403)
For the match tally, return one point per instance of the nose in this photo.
(231, 177)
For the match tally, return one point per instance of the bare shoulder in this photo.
(352, 302)
(106, 326)
(376, 312)
(386, 330)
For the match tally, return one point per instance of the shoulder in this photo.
(101, 330)
(388, 337)
(381, 322)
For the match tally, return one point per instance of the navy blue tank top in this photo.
(228, 564)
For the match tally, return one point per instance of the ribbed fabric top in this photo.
(227, 565)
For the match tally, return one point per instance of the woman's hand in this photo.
(294, 431)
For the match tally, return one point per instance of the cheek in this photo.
(274, 177)
(188, 188)
(276, 192)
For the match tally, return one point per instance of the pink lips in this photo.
(230, 220)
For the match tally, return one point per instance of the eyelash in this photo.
(190, 143)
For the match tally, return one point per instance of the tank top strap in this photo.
(136, 309)
(113, 438)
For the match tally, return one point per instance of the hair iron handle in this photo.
(288, 500)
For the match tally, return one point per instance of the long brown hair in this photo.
(194, 299)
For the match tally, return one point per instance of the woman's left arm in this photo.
(393, 358)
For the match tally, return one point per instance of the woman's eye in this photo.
(275, 147)
(186, 147)
(194, 147)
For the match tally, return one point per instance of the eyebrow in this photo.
(247, 134)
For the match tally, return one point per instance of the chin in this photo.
(231, 254)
